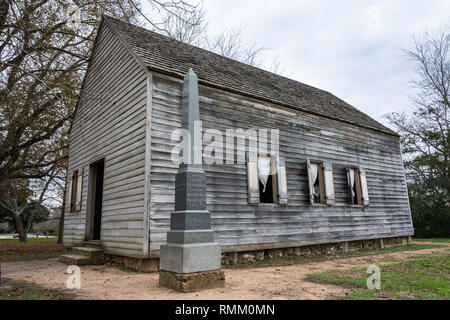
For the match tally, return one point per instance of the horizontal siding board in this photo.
(302, 136)
(110, 123)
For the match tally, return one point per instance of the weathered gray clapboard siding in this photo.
(301, 136)
(111, 123)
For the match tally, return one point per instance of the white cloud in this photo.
(352, 49)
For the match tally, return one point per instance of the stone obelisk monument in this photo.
(191, 259)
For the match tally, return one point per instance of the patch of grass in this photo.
(413, 247)
(442, 240)
(39, 250)
(21, 290)
(424, 278)
(271, 260)
(305, 258)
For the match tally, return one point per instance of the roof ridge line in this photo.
(212, 52)
(364, 119)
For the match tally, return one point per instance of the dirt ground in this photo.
(281, 282)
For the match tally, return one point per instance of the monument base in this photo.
(190, 282)
(190, 258)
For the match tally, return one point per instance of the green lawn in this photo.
(412, 247)
(445, 240)
(425, 278)
(21, 290)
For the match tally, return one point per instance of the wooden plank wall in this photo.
(110, 123)
(301, 135)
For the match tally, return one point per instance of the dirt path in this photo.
(281, 282)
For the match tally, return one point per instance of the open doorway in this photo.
(95, 199)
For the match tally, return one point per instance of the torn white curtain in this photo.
(264, 170)
(314, 167)
(352, 181)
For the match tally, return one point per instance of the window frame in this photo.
(358, 187)
(275, 180)
(320, 176)
(73, 189)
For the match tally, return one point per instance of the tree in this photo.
(42, 64)
(22, 203)
(63, 212)
(49, 226)
(188, 26)
(426, 136)
(43, 61)
(229, 43)
(39, 212)
(44, 52)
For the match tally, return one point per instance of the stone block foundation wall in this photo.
(229, 258)
(141, 265)
(317, 249)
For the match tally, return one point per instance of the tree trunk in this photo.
(61, 219)
(22, 231)
(23, 237)
(29, 223)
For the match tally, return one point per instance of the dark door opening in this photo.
(98, 171)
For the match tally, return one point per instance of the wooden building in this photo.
(341, 179)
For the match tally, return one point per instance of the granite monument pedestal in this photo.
(191, 259)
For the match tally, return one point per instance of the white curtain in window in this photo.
(263, 170)
(314, 167)
(352, 181)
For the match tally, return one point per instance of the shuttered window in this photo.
(75, 188)
(79, 189)
(266, 179)
(353, 191)
(357, 186)
(69, 192)
(321, 183)
(315, 179)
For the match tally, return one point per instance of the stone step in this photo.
(87, 251)
(73, 259)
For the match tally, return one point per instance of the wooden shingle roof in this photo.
(166, 55)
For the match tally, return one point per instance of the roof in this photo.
(166, 55)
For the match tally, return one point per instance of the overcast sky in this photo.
(350, 48)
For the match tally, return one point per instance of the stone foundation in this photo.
(190, 282)
(230, 258)
(141, 265)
